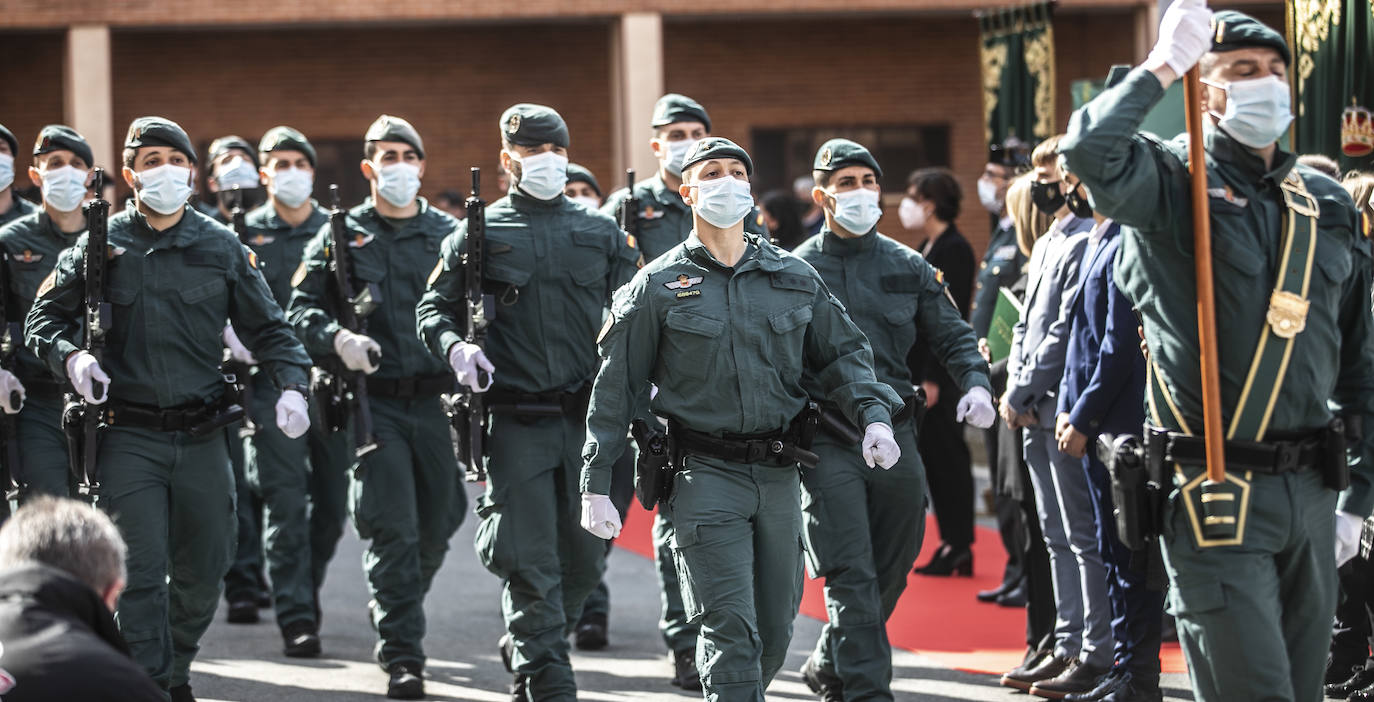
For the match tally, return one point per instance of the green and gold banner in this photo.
(1333, 79)
(1017, 51)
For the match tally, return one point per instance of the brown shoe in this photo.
(1079, 677)
(1033, 671)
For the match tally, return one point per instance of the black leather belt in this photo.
(778, 448)
(1291, 453)
(196, 419)
(412, 386)
(839, 426)
(539, 404)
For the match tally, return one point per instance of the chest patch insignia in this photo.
(1005, 253)
(29, 257)
(1228, 195)
(688, 293)
(683, 282)
(651, 213)
(261, 240)
(360, 240)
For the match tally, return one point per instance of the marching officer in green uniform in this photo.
(552, 265)
(233, 164)
(1253, 593)
(661, 221)
(405, 497)
(303, 482)
(725, 324)
(61, 167)
(864, 527)
(12, 206)
(174, 276)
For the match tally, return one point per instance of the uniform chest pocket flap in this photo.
(785, 321)
(901, 314)
(202, 292)
(1237, 255)
(693, 323)
(1334, 260)
(122, 296)
(901, 283)
(589, 275)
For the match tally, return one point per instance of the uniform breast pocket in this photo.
(588, 257)
(901, 325)
(1330, 272)
(691, 343)
(204, 308)
(788, 327)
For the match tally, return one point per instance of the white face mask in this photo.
(676, 151)
(6, 170)
(543, 175)
(913, 216)
(1258, 111)
(724, 202)
(292, 186)
(586, 201)
(857, 210)
(237, 173)
(165, 189)
(398, 183)
(64, 188)
(987, 194)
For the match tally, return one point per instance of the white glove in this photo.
(293, 414)
(879, 446)
(1185, 34)
(357, 351)
(9, 386)
(599, 516)
(237, 350)
(85, 374)
(465, 359)
(1348, 527)
(976, 407)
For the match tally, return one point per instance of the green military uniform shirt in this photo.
(663, 220)
(31, 246)
(171, 293)
(1143, 183)
(893, 295)
(552, 266)
(1002, 265)
(280, 246)
(21, 208)
(385, 252)
(726, 348)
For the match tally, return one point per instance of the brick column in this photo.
(88, 103)
(636, 83)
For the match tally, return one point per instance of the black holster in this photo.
(1341, 433)
(653, 469)
(1137, 495)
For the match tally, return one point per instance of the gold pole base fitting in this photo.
(1217, 511)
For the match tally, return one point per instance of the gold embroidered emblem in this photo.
(825, 157)
(1287, 314)
(513, 124)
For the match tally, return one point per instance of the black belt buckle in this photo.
(756, 450)
(1287, 455)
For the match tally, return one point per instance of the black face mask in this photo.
(1078, 202)
(1047, 197)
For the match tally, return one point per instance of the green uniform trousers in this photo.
(737, 544)
(43, 447)
(406, 499)
(863, 530)
(172, 497)
(531, 538)
(1254, 620)
(678, 633)
(303, 484)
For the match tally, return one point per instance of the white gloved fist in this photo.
(356, 351)
(85, 373)
(599, 516)
(237, 350)
(976, 408)
(465, 359)
(9, 386)
(879, 447)
(1185, 34)
(293, 414)
(1348, 527)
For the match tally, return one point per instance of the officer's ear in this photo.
(656, 145)
(685, 192)
(421, 164)
(111, 594)
(35, 177)
(264, 175)
(368, 169)
(819, 196)
(128, 174)
(505, 159)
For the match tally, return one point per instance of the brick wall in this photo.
(30, 89)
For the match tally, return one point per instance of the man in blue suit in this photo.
(1102, 392)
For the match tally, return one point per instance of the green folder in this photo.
(1004, 318)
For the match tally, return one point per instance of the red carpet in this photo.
(936, 617)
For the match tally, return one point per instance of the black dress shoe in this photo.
(407, 681)
(591, 633)
(993, 594)
(300, 640)
(243, 611)
(1114, 679)
(182, 693)
(826, 685)
(685, 674)
(1135, 690)
(1358, 681)
(949, 560)
(1016, 597)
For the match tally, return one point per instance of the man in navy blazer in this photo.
(1102, 392)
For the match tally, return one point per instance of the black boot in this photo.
(949, 560)
(182, 693)
(300, 640)
(828, 687)
(243, 611)
(1355, 687)
(407, 681)
(591, 632)
(685, 673)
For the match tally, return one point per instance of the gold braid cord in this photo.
(1312, 22)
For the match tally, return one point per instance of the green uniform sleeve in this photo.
(441, 315)
(1134, 179)
(949, 337)
(53, 326)
(308, 311)
(260, 323)
(1354, 395)
(837, 352)
(628, 346)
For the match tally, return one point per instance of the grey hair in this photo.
(65, 534)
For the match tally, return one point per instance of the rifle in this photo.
(237, 373)
(11, 467)
(352, 311)
(81, 421)
(467, 414)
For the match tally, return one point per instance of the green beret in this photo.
(716, 147)
(158, 131)
(579, 174)
(679, 108)
(390, 128)
(1237, 30)
(531, 125)
(56, 136)
(225, 144)
(8, 136)
(286, 138)
(839, 153)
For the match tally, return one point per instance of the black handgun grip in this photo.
(15, 400)
(374, 357)
(483, 378)
(97, 389)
